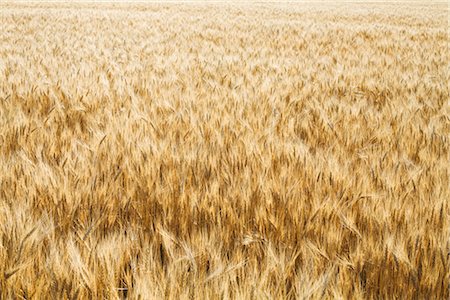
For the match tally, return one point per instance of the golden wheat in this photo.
(224, 150)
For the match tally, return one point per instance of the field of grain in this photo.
(232, 151)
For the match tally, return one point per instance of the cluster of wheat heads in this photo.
(224, 151)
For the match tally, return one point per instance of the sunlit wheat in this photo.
(252, 151)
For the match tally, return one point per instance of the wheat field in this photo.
(224, 151)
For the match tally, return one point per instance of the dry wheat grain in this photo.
(257, 150)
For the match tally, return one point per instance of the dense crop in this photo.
(224, 151)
